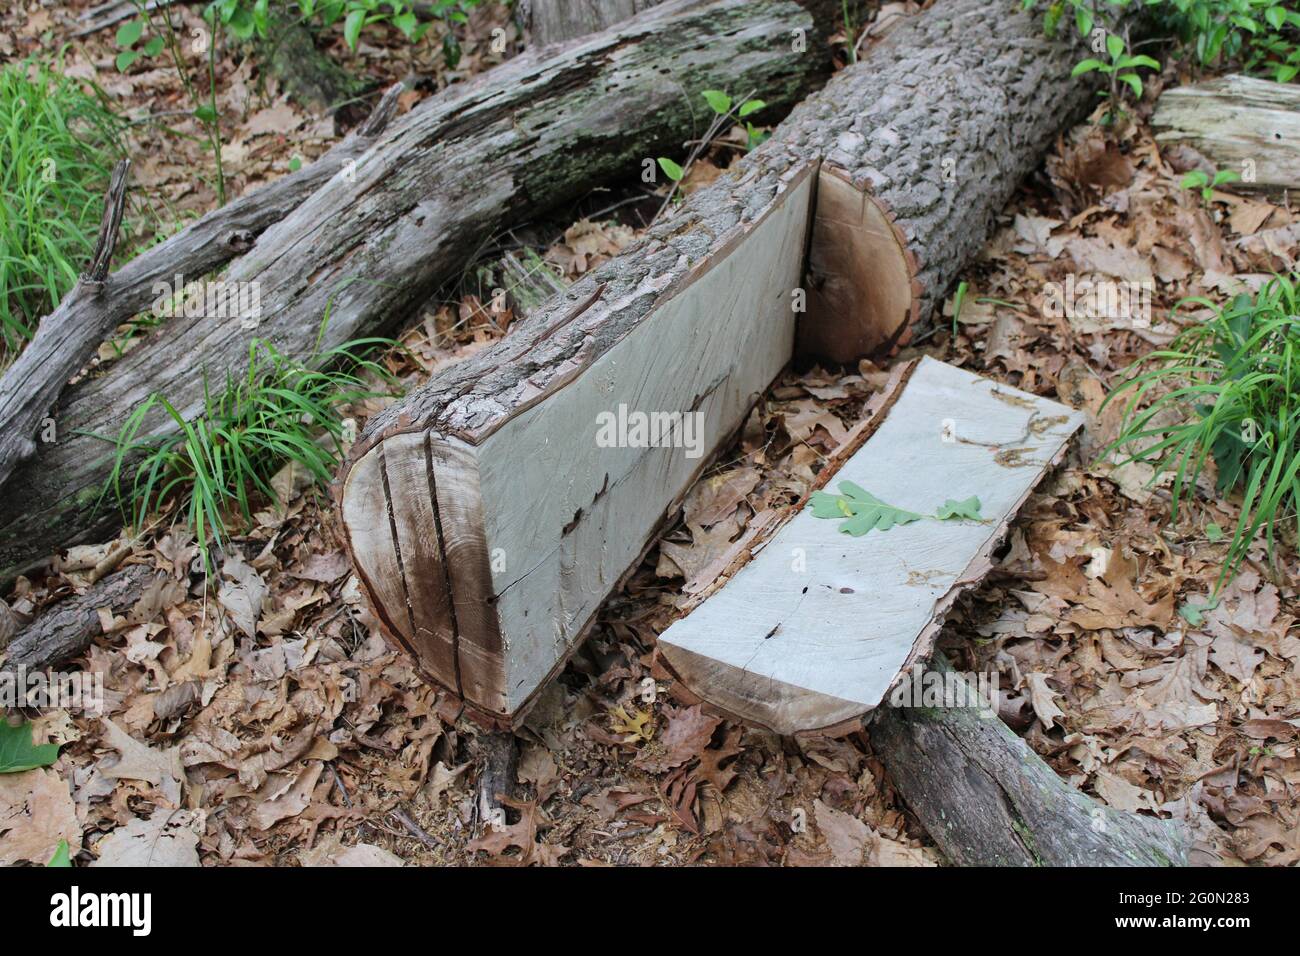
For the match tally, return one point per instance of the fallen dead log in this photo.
(371, 244)
(987, 799)
(485, 518)
(813, 632)
(67, 629)
(1240, 123)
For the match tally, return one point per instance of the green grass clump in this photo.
(1230, 389)
(280, 411)
(59, 141)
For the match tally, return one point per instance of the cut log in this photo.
(810, 634)
(535, 522)
(1239, 123)
(68, 628)
(506, 529)
(987, 799)
(370, 245)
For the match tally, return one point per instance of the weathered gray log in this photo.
(987, 799)
(371, 244)
(69, 627)
(67, 337)
(483, 520)
(554, 21)
(1240, 123)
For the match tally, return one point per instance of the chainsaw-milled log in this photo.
(811, 633)
(488, 540)
(1239, 123)
(536, 522)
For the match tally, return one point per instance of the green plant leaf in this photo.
(1194, 614)
(1083, 20)
(967, 509)
(1213, 533)
(864, 511)
(1114, 46)
(1087, 66)
(750, 106)
(352, 28)
(153, 47)
(61, 856)
(205, 114)
(1134, 82)
(125, 59)
(1194, 179)
(407, 23)
(671, 169)
(129, 32)
(719, 101)
(18, 753)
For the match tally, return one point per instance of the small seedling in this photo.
(1122, 68)
(1198, 179)
(725, 112)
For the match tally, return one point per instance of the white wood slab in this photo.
(814, 630)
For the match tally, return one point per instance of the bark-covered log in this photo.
(370, 245)
(69, 627)
(987, 799)
(484, 521)
(1239, 123)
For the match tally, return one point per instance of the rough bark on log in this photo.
(554, 21)
(1239, 123)
(987, 799)
(371, 245)
(67, 337)
(68, 628)
(974, 82)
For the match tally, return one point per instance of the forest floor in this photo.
(293, 734)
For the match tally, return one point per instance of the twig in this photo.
(417, 831)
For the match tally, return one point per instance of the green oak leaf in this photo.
(17, 753)
(967, 509)
(863, 510)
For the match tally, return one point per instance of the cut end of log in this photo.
(863, 294)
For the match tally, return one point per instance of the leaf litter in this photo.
(267, 722)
